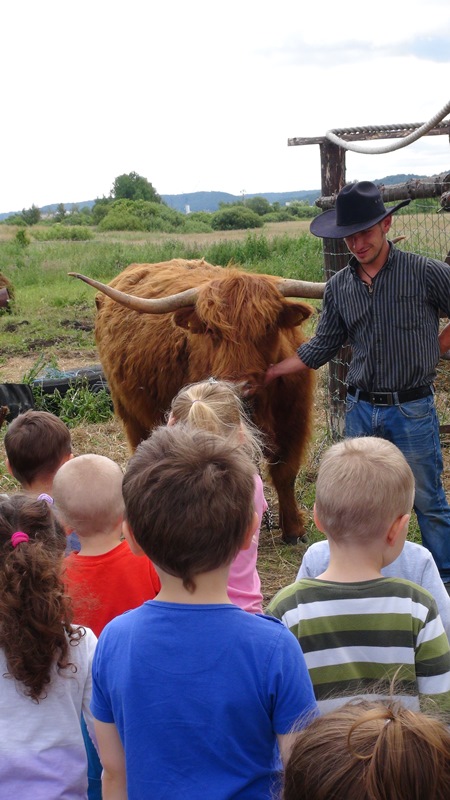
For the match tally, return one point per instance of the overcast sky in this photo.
(202, 95)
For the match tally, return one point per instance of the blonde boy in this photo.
(105, 578)
(358, 629)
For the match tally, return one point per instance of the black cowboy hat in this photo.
(358, 207)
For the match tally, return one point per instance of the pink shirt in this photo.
(244, 584)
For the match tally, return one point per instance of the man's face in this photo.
(370, 246)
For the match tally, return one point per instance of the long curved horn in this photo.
(293, 288)
(144, 305)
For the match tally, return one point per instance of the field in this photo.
(51, 326)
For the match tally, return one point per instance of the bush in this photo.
(21, 238)
(121, 219)
(200, 216)
(141, 215)
(78, 406)
(235, 218)
(59, 231)
(279, 216)
(260, 205)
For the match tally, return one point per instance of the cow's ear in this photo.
(293, 314)
(188, 318)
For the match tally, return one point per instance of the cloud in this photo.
(430, 48)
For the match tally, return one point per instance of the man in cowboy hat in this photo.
(386, 304)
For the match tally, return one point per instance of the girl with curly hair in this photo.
(45, 661)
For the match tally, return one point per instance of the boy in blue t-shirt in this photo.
(191, 694)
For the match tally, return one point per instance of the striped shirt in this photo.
(358, 637)
(393, 329)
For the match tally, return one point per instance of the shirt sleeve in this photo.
(101, 707)
(291, 690)
(315, 561)
(432, 581)
(433, 662)
(331, 334)
(438, 284)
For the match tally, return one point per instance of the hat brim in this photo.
(325, 225)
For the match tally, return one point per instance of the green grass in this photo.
(52, 310)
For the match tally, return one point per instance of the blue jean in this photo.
(414, 428)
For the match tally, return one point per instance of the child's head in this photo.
(215, 406)
(189, 500)
(362, 486)
(34, 608)
(87, 491)
(370, 751)
(36, 444)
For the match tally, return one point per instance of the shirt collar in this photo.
(354, 263)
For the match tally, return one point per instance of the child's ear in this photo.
(317, 521)
(129, 536)
(8, 467)
(252, 528)
(398, 528)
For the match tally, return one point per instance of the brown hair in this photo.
(363, 485)
(36, 443)
(216, 406)
(35, 613)
(87, 491)
(189, 500)
(370, 751)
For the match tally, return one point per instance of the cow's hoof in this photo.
(293, 540)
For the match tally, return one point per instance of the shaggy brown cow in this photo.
(5, 295)
(224, 323)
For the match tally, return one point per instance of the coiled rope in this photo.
(332, 135)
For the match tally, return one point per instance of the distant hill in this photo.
(209, 201)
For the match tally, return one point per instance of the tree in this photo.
(259, 205)
(100, 209)
(134, 187)
(31, 215)
(60, 212)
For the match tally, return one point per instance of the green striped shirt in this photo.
(358, 637)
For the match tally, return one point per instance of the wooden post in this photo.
(335, 258)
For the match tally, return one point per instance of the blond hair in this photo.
(363, 485)
(215, 406)
(88, 494)
(369, 750)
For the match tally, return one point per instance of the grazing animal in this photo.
(221, 322)
(5, 295)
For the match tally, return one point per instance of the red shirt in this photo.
(102, 587)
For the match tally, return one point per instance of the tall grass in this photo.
(51, 310)
(47, 263)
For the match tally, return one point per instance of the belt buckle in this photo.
(381, 398)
